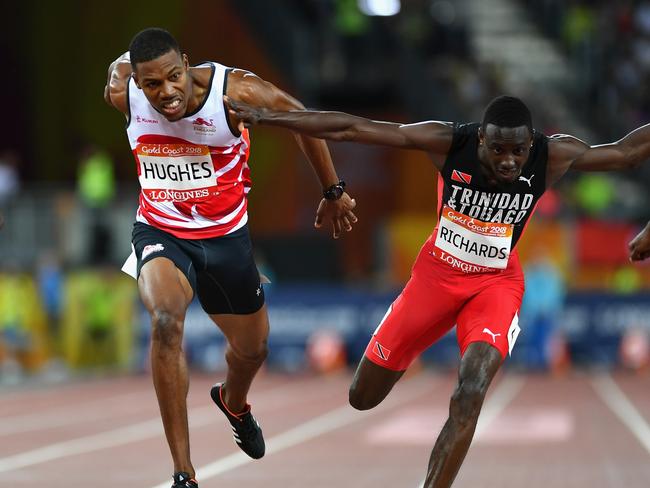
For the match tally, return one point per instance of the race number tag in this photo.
(473, 241)
(176, 172)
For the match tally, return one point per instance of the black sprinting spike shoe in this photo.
(246, 430)
(183, 480)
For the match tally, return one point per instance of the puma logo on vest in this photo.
(527, 180)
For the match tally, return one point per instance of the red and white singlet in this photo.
(193, 172)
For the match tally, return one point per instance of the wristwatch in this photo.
(335, 191)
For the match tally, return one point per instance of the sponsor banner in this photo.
(592, 323)
(472, 241)
(159, 195)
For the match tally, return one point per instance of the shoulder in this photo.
(203, 73)
(116, 89)
(462, 133)
(565, 147)
(242, 83)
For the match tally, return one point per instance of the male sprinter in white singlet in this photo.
(467, 274)
(190, 235)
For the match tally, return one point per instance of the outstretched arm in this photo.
(433, 137)
(568, 152)
(628, 152)
(119, 73)
(244, 86)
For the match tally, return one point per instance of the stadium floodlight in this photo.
(383, 8)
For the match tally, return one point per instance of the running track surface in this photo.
(590, 431)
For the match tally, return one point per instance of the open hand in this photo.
(640, 246)
(247, 114)
(339, 212)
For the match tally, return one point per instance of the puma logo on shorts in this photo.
(494, 336)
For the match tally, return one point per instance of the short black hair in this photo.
(506, 111)
(150, 44)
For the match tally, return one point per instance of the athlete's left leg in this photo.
(247, 337)
(487, 328)
(478, 366)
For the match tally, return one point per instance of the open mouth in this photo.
(172, 108)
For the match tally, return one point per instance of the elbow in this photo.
(347, 135)
(634, 163)
(331, 135)
(337, 137)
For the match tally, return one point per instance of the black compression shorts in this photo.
(221, 270)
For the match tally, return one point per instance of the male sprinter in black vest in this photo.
(491, 175)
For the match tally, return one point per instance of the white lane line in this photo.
(78, 413)
(309, 430)
(95, 442)
(504, 393)
(116, 437)
(623, 408)
(128, 403)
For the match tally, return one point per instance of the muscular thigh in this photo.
(421, 314)
(163, 287)
(166, 275)
(229, 282)
(491, 316)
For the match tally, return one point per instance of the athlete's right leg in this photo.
(166, 294)
(413, 322)
(371, 384)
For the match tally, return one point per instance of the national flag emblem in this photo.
(461, 177)
(381, 351)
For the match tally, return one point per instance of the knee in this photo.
(166, 329)
(360, 399)
(466, 402)
(254, 355)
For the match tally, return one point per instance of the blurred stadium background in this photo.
(69, 193)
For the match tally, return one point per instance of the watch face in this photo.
(334, 193)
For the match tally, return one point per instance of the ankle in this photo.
(186, 472)
(235, 408)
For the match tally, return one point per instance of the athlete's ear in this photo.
(186, 61)
(481, 136)
(135, 78)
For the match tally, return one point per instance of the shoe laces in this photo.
(248, 427)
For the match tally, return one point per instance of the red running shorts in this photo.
(483, 306)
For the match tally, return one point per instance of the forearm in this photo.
(316, 151)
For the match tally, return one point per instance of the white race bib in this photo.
(175, 171)
(473, 241)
